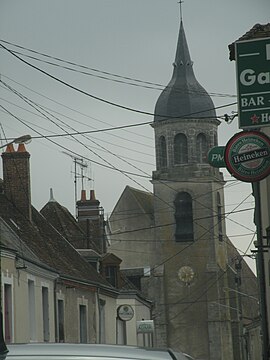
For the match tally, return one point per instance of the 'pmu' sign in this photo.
(253, 82)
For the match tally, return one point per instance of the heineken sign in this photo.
(253, 82)
(247, 156)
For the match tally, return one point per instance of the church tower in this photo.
(188, 215)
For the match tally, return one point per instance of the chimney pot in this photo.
(83, 195)
(92, 195)
(21, 148)
(10, 148)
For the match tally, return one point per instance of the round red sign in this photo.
(247, 156)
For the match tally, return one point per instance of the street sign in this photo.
(247, 156)
(145, 326)
(216, 156)
(253, 82)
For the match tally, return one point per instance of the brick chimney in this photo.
(16, 178)
(91, 220)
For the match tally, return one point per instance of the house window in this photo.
(32, 310)
(183, 217)
(202, 148)
(60, 321)
(45, 313)
(8, 312)
(111, 275)
(163, 152)
(220, 219)
(83, 324)
(180, 149)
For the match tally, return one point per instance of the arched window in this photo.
(201, 148)
(183, 217)
(180, 149)
(163, 152)
(219, 218)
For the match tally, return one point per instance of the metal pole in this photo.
(261, 270)
(3, 348)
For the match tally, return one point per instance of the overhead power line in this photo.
(139, 81)
(107, 101)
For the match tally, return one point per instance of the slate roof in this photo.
(48, 245)
(258, 31)
(62, 220)
(60, 217)
(145, 200)
(183, 96)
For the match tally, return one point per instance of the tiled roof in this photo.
(49, 245)
(258, 31)
(64, 222)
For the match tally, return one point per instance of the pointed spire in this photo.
(182, 58)
(51, 196)
(183, 97)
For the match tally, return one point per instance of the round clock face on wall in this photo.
(186, 274)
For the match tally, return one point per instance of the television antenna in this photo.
(79, 173)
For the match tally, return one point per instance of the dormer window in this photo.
(180, 149)
(111, 275)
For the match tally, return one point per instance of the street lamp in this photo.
(25, 139)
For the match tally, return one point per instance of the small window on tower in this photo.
(202, 148)
(219, 216)
(163, 152)
(180, 149)
(183, 217)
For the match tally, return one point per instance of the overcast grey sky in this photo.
(135, 39)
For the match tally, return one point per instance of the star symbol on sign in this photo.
(255, 119)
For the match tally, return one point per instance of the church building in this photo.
(173, 241)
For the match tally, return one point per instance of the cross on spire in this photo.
(181, 13)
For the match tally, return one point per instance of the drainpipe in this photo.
(99, 317)
(261, 269)
(3, 348)
(56, 335)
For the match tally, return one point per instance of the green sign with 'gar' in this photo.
(253, 82)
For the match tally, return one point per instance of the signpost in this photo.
(145, 326)
(253, 82)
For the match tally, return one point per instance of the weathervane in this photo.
(181, 14)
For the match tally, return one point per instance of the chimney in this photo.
(16, 178)
(91, 220)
